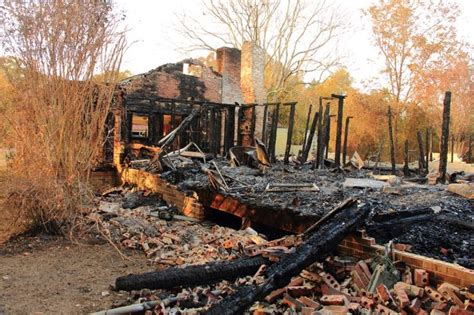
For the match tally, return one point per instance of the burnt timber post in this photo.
(421, 158)
(229, 129)
(390, 135)
(307, 147)
(340, 109)
(406, 169)
(346, 134)
(427, 144)
(319, 141)
(432, 145)
(289, 135)
(273, 132)
(328, 135)
(443, 161)
(307, 126)
(324, 136)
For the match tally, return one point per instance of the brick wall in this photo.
(361, 246)
(169, 81)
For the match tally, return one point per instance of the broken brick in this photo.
(292, 302)
(402, 297)
(334, 300)
(455, 310)
(309, 302)
(383, 293)
(421, 277)
(297, 291)
(411, 290)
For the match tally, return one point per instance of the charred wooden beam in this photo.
(229, 129)
(308, 118)
(427, 149)
(319, 143)
(264, 125)
(421, 157)
(390, 135)
(273, 132)
(191, 275)
(328, 136)
(340, 108)
(346, 135)
(443, 162)
(289, 134)
(469, 150)
(406, 169)
(324, 136)
(309, 141)
(315, 248)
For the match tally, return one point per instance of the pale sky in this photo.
(153, 36)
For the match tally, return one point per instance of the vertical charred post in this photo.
(340, 108)
(346, 135)
(289, 136)
(406, 169)
(421, 158)
(443, 162)
(390, 135)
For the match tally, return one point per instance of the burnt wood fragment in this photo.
(191, 275)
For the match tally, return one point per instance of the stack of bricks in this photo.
(361, 246)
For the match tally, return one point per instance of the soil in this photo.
(51, 275)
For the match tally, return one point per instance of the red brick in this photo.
(334, 300)
(334, 310)
(402, 297)
(292, 302)
(455, 310)
(297, 291)
(383, 293)
(367, 303)
(437, 312)
(421, 277)
(308, 311)
(411, 290)
(435, 295)
(279, 292)
(309, 302)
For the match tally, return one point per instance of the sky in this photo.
(154, 40)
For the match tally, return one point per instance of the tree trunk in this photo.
(443, 162)
(192, 275)
(390, 135)
(319, 244)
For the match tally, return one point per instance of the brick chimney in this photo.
(228, 65)
(252, 83)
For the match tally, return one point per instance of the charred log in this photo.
(315, 248)
(192, 275)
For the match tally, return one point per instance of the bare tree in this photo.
(57, 121)
(298, 36)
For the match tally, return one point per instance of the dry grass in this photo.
(56, 126)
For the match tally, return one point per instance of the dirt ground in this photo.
(50, 275)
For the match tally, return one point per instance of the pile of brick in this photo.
(343, 286)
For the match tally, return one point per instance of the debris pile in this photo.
(137, 220)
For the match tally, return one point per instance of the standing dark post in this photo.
(421, 158)
(319, 143)
(340, 108)
(452, 148)
(273, 132)
(324, 136)
(346, 134)
(406, 169)
(390, 135)
(307, 125)
(264, 125)
(328, 135)
(307, 147)
(431, 146)
(443, 161)
(229, 129)
(427, 144)
(289, 135)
